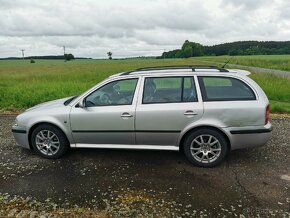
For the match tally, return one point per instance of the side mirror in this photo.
(82, 103)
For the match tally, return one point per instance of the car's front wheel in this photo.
(206, 148)
(48, 141)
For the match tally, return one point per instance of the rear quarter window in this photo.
(224, 89)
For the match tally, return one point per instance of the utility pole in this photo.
(63, 50)
(22, 50)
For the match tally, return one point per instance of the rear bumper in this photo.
(248, 137)
(21, 136)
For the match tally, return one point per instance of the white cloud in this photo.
(134, 27)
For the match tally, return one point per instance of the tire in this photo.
(48, 141)
(210, 153)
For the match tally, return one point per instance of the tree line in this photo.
(193, 49)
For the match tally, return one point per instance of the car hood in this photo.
(50, 104)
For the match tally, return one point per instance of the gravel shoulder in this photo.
(122, 183)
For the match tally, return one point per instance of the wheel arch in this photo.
(193, 129)
(35, 125)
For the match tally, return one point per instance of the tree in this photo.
(192, 49)
(110, 55)
(68, 57)
(187, 52)
(178, 54)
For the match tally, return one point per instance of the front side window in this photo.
(119, 92)
(169, 90)
(224, 89)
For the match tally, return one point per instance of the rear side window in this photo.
(224, 89)
(169, 90)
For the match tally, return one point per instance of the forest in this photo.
(194, 49)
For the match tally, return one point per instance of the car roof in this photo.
(184, 69)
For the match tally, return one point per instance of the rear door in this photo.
(167, 106)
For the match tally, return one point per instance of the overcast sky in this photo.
(90, 28)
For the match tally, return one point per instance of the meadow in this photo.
(23, 84)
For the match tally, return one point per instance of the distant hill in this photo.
(193, 49)
(47, 57)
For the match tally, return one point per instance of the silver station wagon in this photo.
(204, 111)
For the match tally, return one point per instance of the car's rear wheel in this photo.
(206, 148)
(48, 141)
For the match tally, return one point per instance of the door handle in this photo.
(190, 113)
(126, 115)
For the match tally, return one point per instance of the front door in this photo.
(108, 115)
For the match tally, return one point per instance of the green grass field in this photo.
(23, 85)
(279, 62)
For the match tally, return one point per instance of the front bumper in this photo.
(248, 137)
(21, 136)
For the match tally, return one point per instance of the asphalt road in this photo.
(147, 183)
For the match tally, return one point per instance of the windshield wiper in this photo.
(69, 100)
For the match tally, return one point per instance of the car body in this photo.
(154, 108)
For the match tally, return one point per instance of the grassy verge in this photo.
(279, 62)
(277, 89)
(23, 85)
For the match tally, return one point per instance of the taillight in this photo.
(267, 114)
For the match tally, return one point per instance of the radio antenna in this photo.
(226, 62)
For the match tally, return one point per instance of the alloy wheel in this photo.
(47, 142)
(205, 148)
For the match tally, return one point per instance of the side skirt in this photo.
(135, 147)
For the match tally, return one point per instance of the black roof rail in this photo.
(177, 67)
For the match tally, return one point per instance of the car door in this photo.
(167, 106)
(107, 116)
